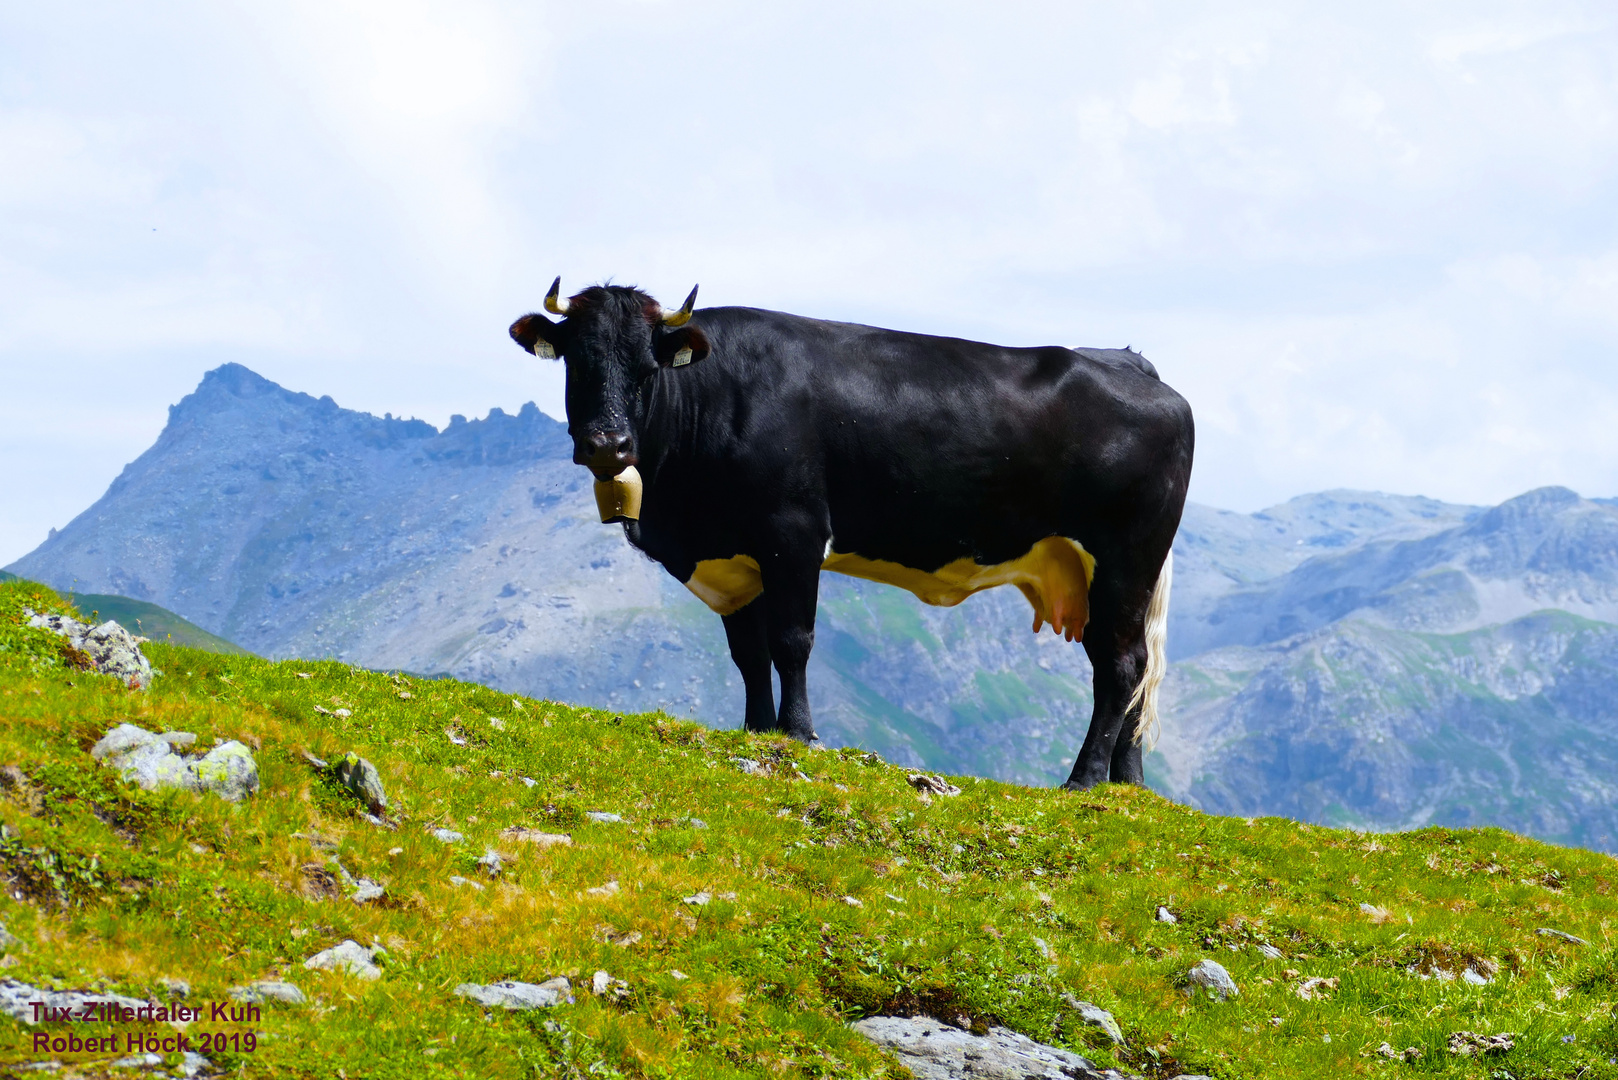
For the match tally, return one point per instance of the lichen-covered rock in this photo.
(1096, 1016)
(361, 777)
(228, 770)
(935, 1051)
(111, 649)
(519, 995)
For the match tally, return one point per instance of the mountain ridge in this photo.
(294, 527)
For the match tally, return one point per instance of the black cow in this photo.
(747, 450)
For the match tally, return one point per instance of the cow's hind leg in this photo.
(750, 650)
(791, 589)
(1116, 643)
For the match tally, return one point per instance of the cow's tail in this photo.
(1157, 658)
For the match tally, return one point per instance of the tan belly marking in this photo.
(1054, 575)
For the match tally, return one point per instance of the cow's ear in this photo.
(538, 335)
(677, 348)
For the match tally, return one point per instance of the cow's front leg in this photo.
(791, 589)
(750, 649)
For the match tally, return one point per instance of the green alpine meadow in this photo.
(747, 898)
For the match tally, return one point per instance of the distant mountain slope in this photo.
(297, 528)
(150, 621)
(1362, 724)
(1545, 549)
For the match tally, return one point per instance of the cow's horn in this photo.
(683, 316)
(553, 299)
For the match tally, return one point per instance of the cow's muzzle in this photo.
(605, 453)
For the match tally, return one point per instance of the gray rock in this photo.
(1269, 952)
(604, 817)
(1210, 975)
(519, 995)
(1164, 915)
(366, 890)
(112, 649)
(1096, 1016)
(360, 776)
(749, 766)
(136, 1061)
(175, 988)
(17, 998)
(458, 881)
(1467, 1043)
(604, 985)
(535, 836)
(122, 740)
(932, 785)
(447, 836)
(695, 823)
(1562, 935)
(228, 770)
(194, 1064)
(349, 956)
(492, 862)
(179, 740)
(1475, 978)
(936, 1051)
(257, 993)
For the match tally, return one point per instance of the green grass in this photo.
(989, 907)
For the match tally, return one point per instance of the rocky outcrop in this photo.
(349, 956)
(228, 770)
(107, 649)
(1331, 652)
(518, 996)
(935, 1051)
(18, 1000)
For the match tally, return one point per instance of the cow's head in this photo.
(615, 340)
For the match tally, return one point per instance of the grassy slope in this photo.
(121, 887)
(149, 620)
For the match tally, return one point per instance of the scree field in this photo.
(835, 890)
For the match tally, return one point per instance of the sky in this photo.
(1375, 245)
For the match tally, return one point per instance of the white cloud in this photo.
(1371, 244)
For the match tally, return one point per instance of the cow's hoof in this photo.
(1080, 785)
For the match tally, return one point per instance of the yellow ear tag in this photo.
(681, 358)
(543, 350)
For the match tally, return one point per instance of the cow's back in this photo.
(925, 447)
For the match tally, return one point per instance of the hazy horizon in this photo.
(485, 415)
